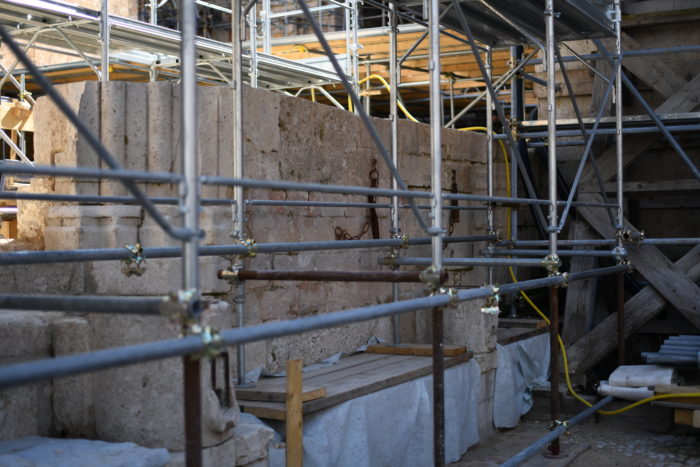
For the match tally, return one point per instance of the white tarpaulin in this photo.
(522, 365)
(394, 426)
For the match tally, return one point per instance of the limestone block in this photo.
(223, 455)
(113, 131)
(73, 227)
(73, 404)
(25, 410)
(160, 155)
(136, 127)
(144, 402)
(261, 110)
(252, 441)
(208, 136)
(68, 278)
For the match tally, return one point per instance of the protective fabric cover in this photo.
(394, 426)
(522, 365)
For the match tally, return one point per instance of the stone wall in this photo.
(285, 139)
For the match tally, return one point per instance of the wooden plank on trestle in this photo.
(580, 295)
(521, 323)
(425, 350)
(673, 284)
(274, 395)
(687, 99)
(361, 375)
(647, 303)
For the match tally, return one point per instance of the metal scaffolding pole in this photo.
(553, 225)
(190, 190)
(436, 115)
(239, 232)
(394, 76)
(104, 41)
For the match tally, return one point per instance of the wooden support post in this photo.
(294, 415)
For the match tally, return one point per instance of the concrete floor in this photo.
(644, 436)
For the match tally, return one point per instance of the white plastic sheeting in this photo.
(637, 376)
(394, 426)
(522, 365)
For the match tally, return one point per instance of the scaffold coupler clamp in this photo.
(557, 423)
(181, 307)
(620, 255)
(390, 260)
(628, 236)
(404, 241)
(490, 306)
(564, 279)
(135, 264)
(451, 293)
(431, 278)
(552, 263)
(251, 247)
(211, 341)
(230, 275)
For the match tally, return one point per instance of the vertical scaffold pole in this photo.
(239, 207)
(190, 253)
(489, 152)
(104, 38)
(436, 113)
(620, 191)
(553, 223)
(394, 73)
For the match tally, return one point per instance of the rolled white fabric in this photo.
(621, 392)
(637, 376)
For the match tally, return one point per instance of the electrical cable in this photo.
(544, 317)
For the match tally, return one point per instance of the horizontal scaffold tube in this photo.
(82, 304)
(333, 276)
(111, 254)
(103, 199)
(600, 242)
(41, 370)
(559, 430)
(520, 262)
(543, 253)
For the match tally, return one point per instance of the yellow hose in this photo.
(544, 317)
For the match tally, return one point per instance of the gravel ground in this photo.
(645, 436)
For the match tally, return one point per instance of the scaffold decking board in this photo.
(352, 377)
(509, 335)
(278, 395)
(521, 323)
(424, 350)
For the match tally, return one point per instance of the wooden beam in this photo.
(687, 99)
(16, 115)
(580, 295)
(672, 283)
(658, 6)
(294, 415)
(655, 187)
(647, 303)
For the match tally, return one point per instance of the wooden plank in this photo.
(274, 395)
(294, 417)
(580, 295)
(649, 69)
(687, 99)
(683, 417)
(658, 6)
(646, 304)
(507, 336)
(521, 323)
(424, 350)
(16, 115)
(655, 186)
(649, 261)
(356, 380)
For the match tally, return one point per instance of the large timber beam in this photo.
(671, 282)
(687, 99)
(647, 303)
